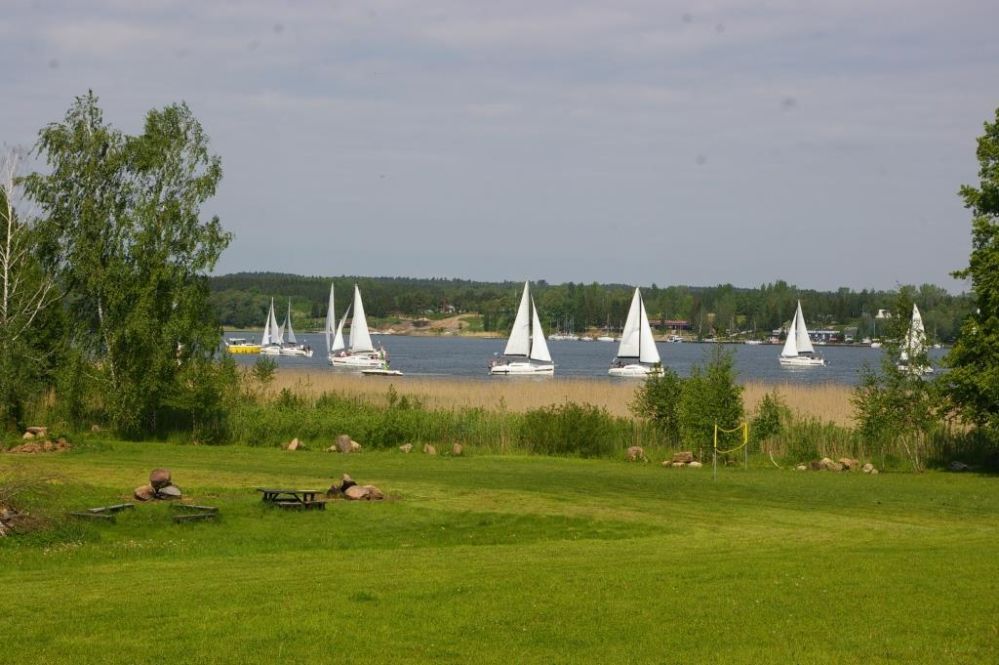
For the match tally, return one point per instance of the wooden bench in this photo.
(194, 513)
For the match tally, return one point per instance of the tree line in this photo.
(241, 301)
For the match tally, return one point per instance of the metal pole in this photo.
(714, 455)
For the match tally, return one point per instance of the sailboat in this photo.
(798, 350)
(914, 346)
(273, 339)
(290, 345)
(526, 351)
(637, 354)
(359, 352)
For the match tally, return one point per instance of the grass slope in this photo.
(501, 559)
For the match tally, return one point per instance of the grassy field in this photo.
(488, 559)
(825, 402)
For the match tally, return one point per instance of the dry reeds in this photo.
(827, 402)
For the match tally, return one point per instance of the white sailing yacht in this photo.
(798, 350)
(637, 355)
(914, 346)
(359, 352)
(290, 345)
(273, 338)
(526, 351)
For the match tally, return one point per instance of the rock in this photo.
(686, 457)
(406, 447)
(678, 465)
(636, 453)
(346, 482)
(666, 462)
(874, 472)
(958, 466)
(48, 446)
(825, 462)
(429, 450)
(834, 466)
(159, 478)
(356, 493)
(355, 447)
(144, 493)
(867, 468)
(457, 449)
(168, 492)
(374, 494)
(695, 465)
(38, 431)
(801, 467)
(28, 436)
(95, 428)
(294, 444)
(816, 465)
(849, 464)
(343, 443)
(63, 444)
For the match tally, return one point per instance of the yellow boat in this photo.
(240, 345)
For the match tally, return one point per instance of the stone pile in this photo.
(344, 444)
(160, 487)
(37, 441)
(843, 464)
(682, 460)
(350, 490)
(637, 453)
(8, 517)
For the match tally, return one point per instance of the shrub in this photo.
(711, 396)
(570, 429)
(658, 402)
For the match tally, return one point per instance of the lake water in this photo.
(468, 357)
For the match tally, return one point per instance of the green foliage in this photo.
(263, 370)
(771, 419)
(972, 384)
(124, 237)
(570, 429)
(711, 396)
(657, 400)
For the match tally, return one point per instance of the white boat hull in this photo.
(521, 367)
(381, 371)
(299, 351)
(635, 370)
(917, 371)
(270, 350)
(801, 361)
(371, 360)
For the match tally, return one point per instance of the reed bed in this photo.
(825, 402)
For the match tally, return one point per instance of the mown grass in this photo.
(500, 559)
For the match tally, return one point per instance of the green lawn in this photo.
(501, 559)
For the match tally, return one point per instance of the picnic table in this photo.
(289, 498)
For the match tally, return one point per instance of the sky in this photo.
(822, 143)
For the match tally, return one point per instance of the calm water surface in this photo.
(468, 357)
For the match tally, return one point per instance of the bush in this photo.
(772, 417)
(711, 396)
(570, 429)
(658, 402)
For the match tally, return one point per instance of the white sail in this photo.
(649, 352)
(630, 346)
(290, 337)
(519, 343)
(802, 340)
(338, 344)
(277, 332)
(539, 347)
(360, 338)
(266, 338)
(330, 323)
(915, 340)
(790, 349)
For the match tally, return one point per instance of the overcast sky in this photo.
(671, 142)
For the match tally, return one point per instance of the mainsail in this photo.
(267, 338)
(802, 340)
(360, 338)
(330, 323)
(290, 337)
(915, 340)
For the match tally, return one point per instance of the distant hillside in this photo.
(242, 299)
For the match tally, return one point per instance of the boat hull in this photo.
(635, 371)
(915, 370)
(381, 371)
(270, 350)
(521, 367)
(363, 360)
(801, 361)
(299, 351)
(240, 349)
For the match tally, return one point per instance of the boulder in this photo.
(63, 444)
(406, 447)
(958, 466)
(801, 467)
(144, 493)
(685, 456)
(355, 447)
(825, 462)
(343, 443)
(357, 493)
(48, 446)
(168, 492)
(874, 472)
(346, 482)
(374, 494)
(678, 465)
(636, 453)
(429, 450)
(28, 436)
(294, 444)
(816, 465)
(38, 430)
(457, 449)
(834, 466)
(159, 478)
(849, 464)
(867, 468)
(695, 465)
